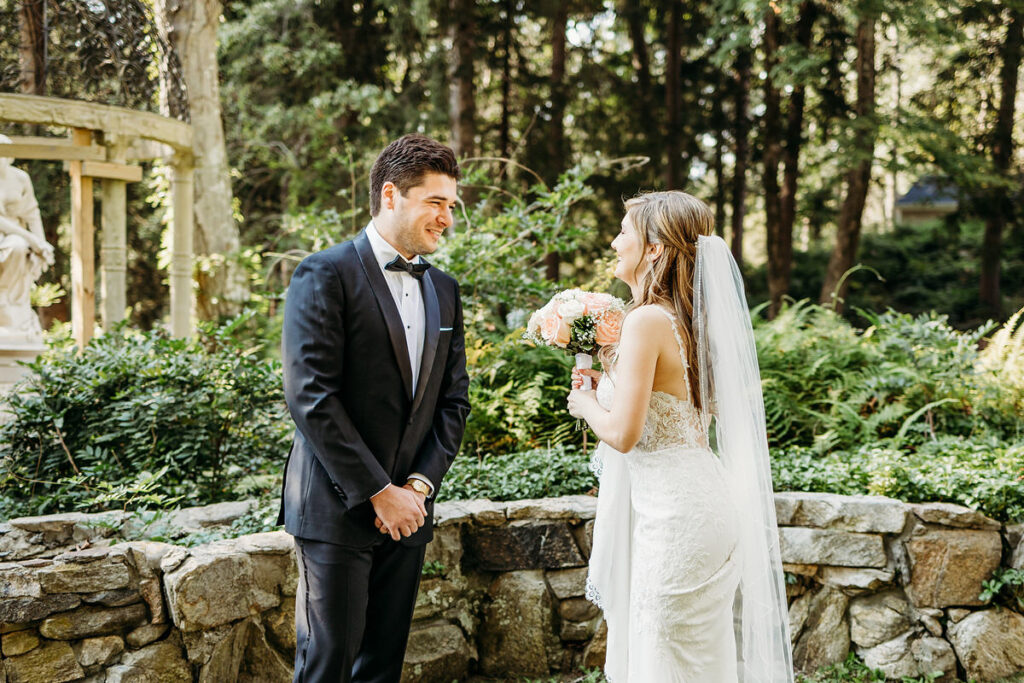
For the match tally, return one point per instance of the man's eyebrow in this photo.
(441, 197)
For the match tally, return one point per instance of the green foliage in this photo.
(983, 475)
(853, 670)
(518, 394)
(89, 429)
(433, 568)
(903, 380)
(1006, 586)
(540, 473)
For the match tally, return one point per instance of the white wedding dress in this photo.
(665, 562)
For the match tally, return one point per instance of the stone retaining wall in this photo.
(502, 594)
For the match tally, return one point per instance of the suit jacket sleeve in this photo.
(442, 442)
(312, 350)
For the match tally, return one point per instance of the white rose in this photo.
(571, 310)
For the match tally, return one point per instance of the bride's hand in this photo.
(578, 401)
(577, 377)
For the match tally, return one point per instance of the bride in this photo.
(685, 561)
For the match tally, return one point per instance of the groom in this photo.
(375, 380)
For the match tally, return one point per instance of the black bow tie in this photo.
(399, 264)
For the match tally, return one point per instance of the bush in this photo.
(141, 418)
(540, 473)
(983, 475)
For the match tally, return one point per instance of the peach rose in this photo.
(549, 324)
(564, 332)
(595, 301)
(609, 327)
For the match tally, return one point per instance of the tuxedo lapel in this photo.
(387, 307)
(432, 320)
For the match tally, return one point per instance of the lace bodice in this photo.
(671, 421)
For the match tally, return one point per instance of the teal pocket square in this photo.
(445, 329)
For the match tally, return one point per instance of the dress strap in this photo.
(679, 343)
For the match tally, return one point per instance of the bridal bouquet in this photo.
(579, 322)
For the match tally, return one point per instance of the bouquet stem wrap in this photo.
(584, 361)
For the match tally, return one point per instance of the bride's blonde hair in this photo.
(675, 220)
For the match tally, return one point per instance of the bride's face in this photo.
(629, 250)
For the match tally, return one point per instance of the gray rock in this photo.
(911, 656)
(875, 619)
(446, 550)
(50, 663)
(161, 662)
(517, 634)
(825, 636)
(568, 508)
(260, 662)
(24, 610)
(956, 614)
(17, 581)
(568, 583)
(1014, 534)
(225, 659)
(214, 585)
(578, 609)
(87, 572)
(146, 634)
(800, 545)
(524, 545)
(481, 512)
(856, 579)
(92, 621)
(113, 598)
(19, 642)
(1017, 556)
(437, 653)
(989, 644)
(875, 514)
(595, 651)
(93, 652)
(279, 624)
(948, 514)
(948, 566)
(584, 535)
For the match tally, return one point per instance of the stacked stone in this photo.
(898, 584)
(502, 594)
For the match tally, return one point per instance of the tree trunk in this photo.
(556, 135)
(780, 254)
(504, 141)
(718, 164)
(673, 97)
(859, 177)
(190, 26)
(741, 135)
(633, 12)
(772, 154)
(32, 51)
(462, 102)
(1001, 207)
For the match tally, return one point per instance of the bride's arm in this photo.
(622, 426)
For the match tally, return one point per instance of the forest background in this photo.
(889, 356)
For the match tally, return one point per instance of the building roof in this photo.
(930, 190)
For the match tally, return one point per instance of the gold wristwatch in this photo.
(419, 486)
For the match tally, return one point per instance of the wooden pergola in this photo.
(101, 144)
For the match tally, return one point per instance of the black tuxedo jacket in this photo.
(348, 385)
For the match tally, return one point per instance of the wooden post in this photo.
(83, 275)
(114, 244)
(181, 246)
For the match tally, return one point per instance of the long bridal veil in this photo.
(730, 387)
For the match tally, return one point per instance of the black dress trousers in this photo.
(353, 610)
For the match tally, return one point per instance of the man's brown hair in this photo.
(405, 161)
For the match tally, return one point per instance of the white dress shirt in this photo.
(405, 290)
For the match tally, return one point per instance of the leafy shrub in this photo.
(200, 413)
(983, 475)
(540, 473)
(903, 380)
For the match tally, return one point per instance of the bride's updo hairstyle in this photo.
(675, 220)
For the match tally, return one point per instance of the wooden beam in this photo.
(114, 241)
(54, 111)
(182, 228)
(83, 274)
(112, 170)
(59, 150)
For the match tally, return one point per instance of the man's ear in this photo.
(387, 195)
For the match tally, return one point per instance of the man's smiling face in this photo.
(422, 213)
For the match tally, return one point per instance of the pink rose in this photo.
(549, 324)
(595, 302)
(564, 333)
(609, 327)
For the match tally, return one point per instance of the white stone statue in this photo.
(24, 254)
